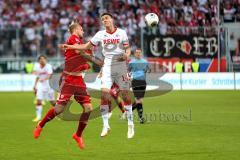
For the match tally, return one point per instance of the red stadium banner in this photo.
(185, 46)
(168, 64)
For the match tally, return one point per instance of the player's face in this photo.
(42, 61)
(107, 20)
(79, 30)
(138, 53)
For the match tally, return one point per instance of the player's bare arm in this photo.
(85, 46)
(47, 78)
(91, 58)
(80, 48)
(35, 84)
(127, 54)
(127, 51)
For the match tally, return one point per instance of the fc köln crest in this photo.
(185, 47)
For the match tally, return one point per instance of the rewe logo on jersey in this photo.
(112, 41)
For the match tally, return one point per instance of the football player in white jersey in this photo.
(116, 50)
(42, 89)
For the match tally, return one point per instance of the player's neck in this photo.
(111, 29)
(75, 34)
(137, 57)
(42, 65)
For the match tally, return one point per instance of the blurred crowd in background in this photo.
(44, 23)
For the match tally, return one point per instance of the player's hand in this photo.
(124, 57)
(98, 62)
(99, 74)
(62, 46)
(35, 90)
(41, 80)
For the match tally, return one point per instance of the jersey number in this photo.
(126, 77)
(111, 47)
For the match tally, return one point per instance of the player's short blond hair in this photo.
(72, 26)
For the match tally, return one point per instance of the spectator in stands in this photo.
(238, 12)
(162, 26)
(232, 46)
(52, 15)
(1, 46)
(31, 39)
(228, 12)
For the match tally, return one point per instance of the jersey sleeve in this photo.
(49, 69)
(147, 66)
(35, 67)
(130, 66)
(96, 39)
(125, 40)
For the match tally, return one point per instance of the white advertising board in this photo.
(16, 82)
(207, 81)
(173, 79)
(184, 81)
(237, 80)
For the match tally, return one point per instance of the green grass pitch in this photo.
(187, 125)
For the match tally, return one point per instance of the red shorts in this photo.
(73, 85)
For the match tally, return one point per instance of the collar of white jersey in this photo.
(115, 29)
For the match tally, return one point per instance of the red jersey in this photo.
(74, 62)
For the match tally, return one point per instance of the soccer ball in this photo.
(151, 19)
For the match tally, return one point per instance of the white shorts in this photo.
(115, 73)
(45, 94)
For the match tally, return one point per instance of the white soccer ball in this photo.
(151, 19)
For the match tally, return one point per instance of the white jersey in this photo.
(42, 73)
(112, 44)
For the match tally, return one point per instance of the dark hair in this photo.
(42, 56)
(106, 13)
(138, 48)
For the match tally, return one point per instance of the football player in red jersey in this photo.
(72, 83)
(116, 50)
